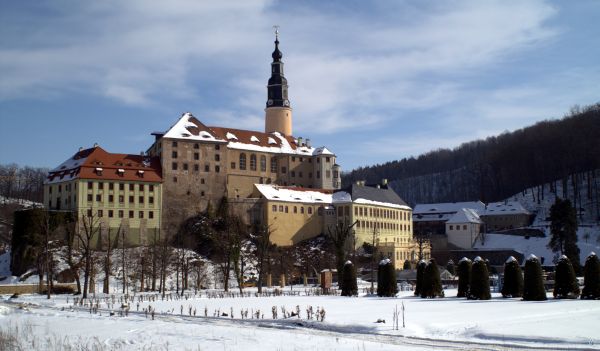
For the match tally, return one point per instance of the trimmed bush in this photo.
(406, 265)
(513, 279)
(464, 277)
(591, 278)
(349, 288)
(386, 279)
(480, 281)
(420, 271)
(533, 282)
(432, 285)
(565, 281)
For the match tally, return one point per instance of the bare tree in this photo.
(89, 227)
(340, 234)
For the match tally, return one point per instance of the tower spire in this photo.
(278, 112)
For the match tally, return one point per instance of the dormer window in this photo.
(120, 172)
(254, 139)
(99, 171)
(140, 173)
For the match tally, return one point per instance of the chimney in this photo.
(80, 148)
(95, 144)
(307, 142)
(299, 141)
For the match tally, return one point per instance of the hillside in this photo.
(497, 167)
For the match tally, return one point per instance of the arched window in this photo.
(263, 163)
(242, 161)
(273, 165)
(253, 162)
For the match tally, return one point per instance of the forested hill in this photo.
(497, 167)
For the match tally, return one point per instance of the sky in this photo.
(374, 81)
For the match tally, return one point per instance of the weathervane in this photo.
(276, 27)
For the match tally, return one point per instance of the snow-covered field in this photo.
(350, 323)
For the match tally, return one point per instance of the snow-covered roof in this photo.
(293, 194)
(189, 127)
(368, 195)
(448, 207)
(504, 208)
(465, 215)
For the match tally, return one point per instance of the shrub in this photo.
(386, 279)
(533, 282)
(565, 281)
(349, 288)
(420, 270)
(464, 277)
(591, 278)
(432, 285)
(480, 281)
(513, 279)
(406, 265)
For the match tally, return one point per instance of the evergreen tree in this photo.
(386, 279)
(513, 279)
(406, 265)
(565, 282)
(432, 285)
(349, 288)
(464, 277)
(420, 271)
(450, 267)
(480, 281)
(564, 231)
(533, 284)
(591, 278)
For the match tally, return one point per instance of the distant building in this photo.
(432, 218)
(463, 228)
(505, 215)
(121, 191)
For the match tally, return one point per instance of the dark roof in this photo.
(373, 193)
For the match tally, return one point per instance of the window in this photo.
(196, 146)
(185, 166)
(120, 213)
(202, 193)
(451, 227)
(253, 162)
(110, 213)
(280, 208)
(174, 166)
(90, 185)
(174, 144)
(217, 169)
(465, 227)
(273, 164)
(111, 198)
(141, 199)
(151, 214)
(274, 208)
(263, 163)
(98, 197)
(302, 209)
(131, 187)
(335, 174)
(243, 161)
(121, 186)
(283, 170)
(196, 155)
(141, 214)
(217, 147)
(202, 181)
(111, 186)
(295, 209)
(217, 157)
(327, 159)
(206, 168)
(89, 213)
(130, 214)
(151, 187)
(196, 167)
(286, 209)
(121, 198)
(151, 200)
(90, 197)
(100, 213)
(310, 210)
(141, 187)
(232, 165)
(327, 174)
(131, 199)
(174, 154)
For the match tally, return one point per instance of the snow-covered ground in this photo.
(350, 323)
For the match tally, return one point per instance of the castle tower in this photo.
(278, 114)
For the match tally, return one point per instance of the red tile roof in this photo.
(96, 163)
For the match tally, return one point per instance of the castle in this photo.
(192, 165)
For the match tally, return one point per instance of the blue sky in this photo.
(373, 81)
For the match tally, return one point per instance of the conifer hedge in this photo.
(565, 281)
(464, 277)
(480, 281)
(420, 270)
(386, 279)
(591, 278)
(432, 284)
(349, 287)
(513, 279)
(533, 282)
